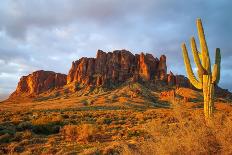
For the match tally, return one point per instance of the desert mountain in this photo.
(113, 99)
(117, 67)
(38, 82)
(107, 70)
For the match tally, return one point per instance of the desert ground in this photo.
(131, 119)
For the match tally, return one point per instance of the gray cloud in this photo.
(51, 34)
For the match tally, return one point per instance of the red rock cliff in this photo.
(116, 67)
(38, 82)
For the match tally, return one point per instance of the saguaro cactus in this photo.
(206, 79)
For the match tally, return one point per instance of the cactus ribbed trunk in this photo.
(208, 92)
(207, 79)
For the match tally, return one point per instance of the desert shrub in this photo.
(46, 129)
(7, 131)
(120, 122)
(139, 116)
(15, 120)
(57, 94)
(107, 121)
(5, 138)
(90, 120)
(134, 133)
(47, 125)
(19, 136)
(65, 116)
(86, 102)
(113, 98)
(83, 132)
(18, 149)
(111, 150)
(100, 120)
(43, 120)
(41, 98)
(24, 126)
(70, 132)
(27, 134)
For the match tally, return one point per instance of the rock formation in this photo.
(171, 79)
(162, 68)
(182, 81)
(107, 69)
(178, 80)
(38, 82)
(116, 67)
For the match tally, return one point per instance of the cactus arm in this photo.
(199, 54)
(215, 73)
(197, 60)
(200, 75)
(204, 48)
(189, 70)
(216, 67)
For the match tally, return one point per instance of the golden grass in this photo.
(43, 120)
(185, 131)
(121, 121)
(81, 133)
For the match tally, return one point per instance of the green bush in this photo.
(86, 102)
(134, 133)
(65, 116)
(5, 138)
(107, 121)
(24, 126)
(7, 131)
(46, 129)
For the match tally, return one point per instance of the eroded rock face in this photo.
(39, 82)
(223, 93)
(182, 81)
(116, 67)
(105, 70)
(178, 80)
(171, 79)
(162, 68)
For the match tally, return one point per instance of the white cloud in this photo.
(49, 35)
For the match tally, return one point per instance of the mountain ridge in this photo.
(106, 70)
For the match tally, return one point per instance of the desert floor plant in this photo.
(206, 79)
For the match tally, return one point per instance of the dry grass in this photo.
(81, 133)
(43, 120)
(121, 121)
(185, 131)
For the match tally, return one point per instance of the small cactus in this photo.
(206, 79)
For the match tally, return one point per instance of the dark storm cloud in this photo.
(41, 34)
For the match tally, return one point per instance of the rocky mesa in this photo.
(117, 67)
(39, 82)
(107, 69)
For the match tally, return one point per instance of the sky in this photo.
(49, 35)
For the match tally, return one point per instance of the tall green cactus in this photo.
(206, 79)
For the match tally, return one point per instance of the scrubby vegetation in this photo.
(116, 123)
(157, 131)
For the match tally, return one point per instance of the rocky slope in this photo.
(107, 69)
(117, 67)
(38, 82)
